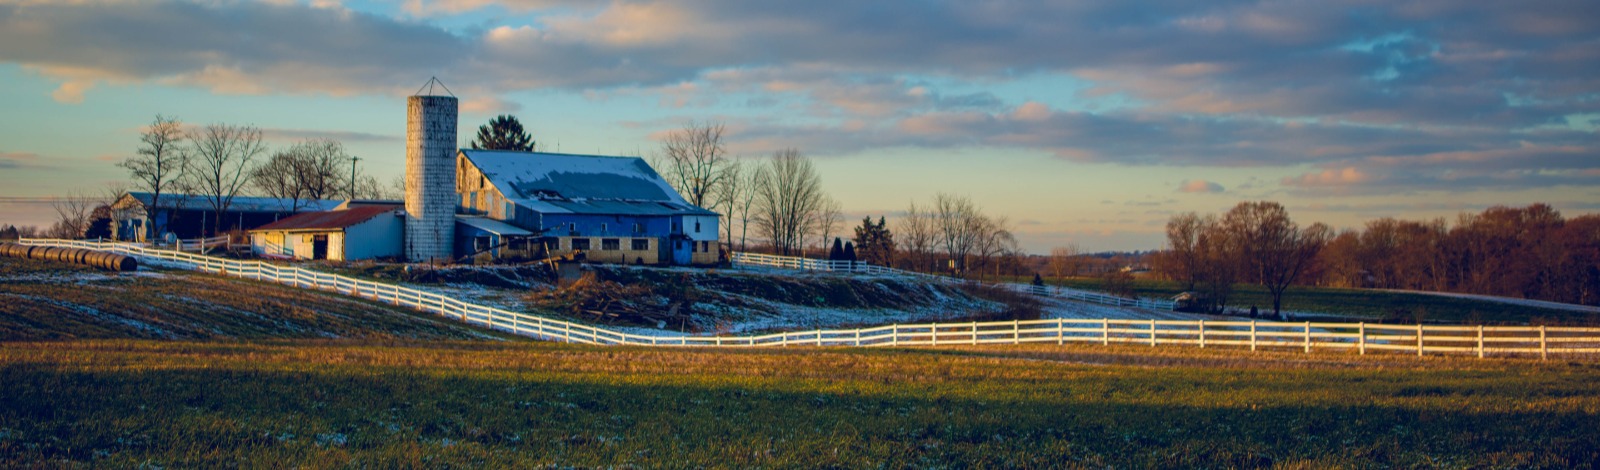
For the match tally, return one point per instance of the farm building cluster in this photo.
(465, 204)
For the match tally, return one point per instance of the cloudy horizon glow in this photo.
(1081, 122)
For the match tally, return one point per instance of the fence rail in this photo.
(1483, 341)
(857, 267)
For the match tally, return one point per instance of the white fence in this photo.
(857, 267)
(1360, 337)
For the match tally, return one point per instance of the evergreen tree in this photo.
(874, 242)
(837, 253)
(849, 251)
(503, 132)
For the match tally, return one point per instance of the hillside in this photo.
(650, 300)
(124, 404)
(46, 300)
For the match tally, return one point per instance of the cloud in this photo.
(1380, 97)
(1199, 187)
(19, 160)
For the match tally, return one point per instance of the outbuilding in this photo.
(354, 232)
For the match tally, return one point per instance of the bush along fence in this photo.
(857, 267)
(1482, 341)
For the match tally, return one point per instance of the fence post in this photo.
(1061, 331)
(1308, 337)
(1480, 341)
(1544, 345)
(1361, 329)
(1202, 334)
(1016, 332)
(819, 337)
(858, 337)
(974, 333)
(1105, 332)
(1252, 335)
(933, 333)
(894, 335)
(1152, 332)
(1420, 348)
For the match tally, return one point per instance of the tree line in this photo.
(1529, 252)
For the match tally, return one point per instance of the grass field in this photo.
(474, 404)
(1376, 305)
(48, 300)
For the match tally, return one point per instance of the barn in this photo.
(190, 216)
(351, 231)
(609, 209)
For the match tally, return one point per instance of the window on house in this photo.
(580, 244)
(610, 244)
(572, 226)
(480, 243)
(641, 244)
(511, 211)
(697, 226)
(603, 228)
(705, 247)
(638, 227)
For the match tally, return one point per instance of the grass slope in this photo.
(1362, 303)
(47, 300)
(133, 403)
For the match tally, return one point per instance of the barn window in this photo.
(638, 227)
(572, 226)
(480, 243)
(705, 247)
(610, 244)
(641, 244)
(696, 226)
(603, 228)
(580, 244)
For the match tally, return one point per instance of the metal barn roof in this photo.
(240, 203)
(329, 220)
(580, 184)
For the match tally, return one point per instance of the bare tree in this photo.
(825, 221)
(734, 197)
(995, 241)
(157, 166)
(695, 162)
(1274, 249)
(72, 215)
(788, 194)
(308, 171)
(916, 234)
(960, 227)
(1183, 251)
(220, 163)
(1064, 260)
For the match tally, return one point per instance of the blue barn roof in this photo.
(558, 183)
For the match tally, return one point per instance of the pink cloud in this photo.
(1199, 187)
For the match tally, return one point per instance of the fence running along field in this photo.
(1483, 341)
(857, 267)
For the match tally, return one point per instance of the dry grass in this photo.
(45, 300)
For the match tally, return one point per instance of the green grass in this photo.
(1364, 303)
(477, 404)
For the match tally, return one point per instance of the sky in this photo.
(1087, 123)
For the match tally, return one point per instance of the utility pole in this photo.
(353, 161)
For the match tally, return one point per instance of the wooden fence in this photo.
(1481, 341)
(857, 267)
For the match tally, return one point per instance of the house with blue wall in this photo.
(608, 209)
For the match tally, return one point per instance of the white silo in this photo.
(430, 175)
